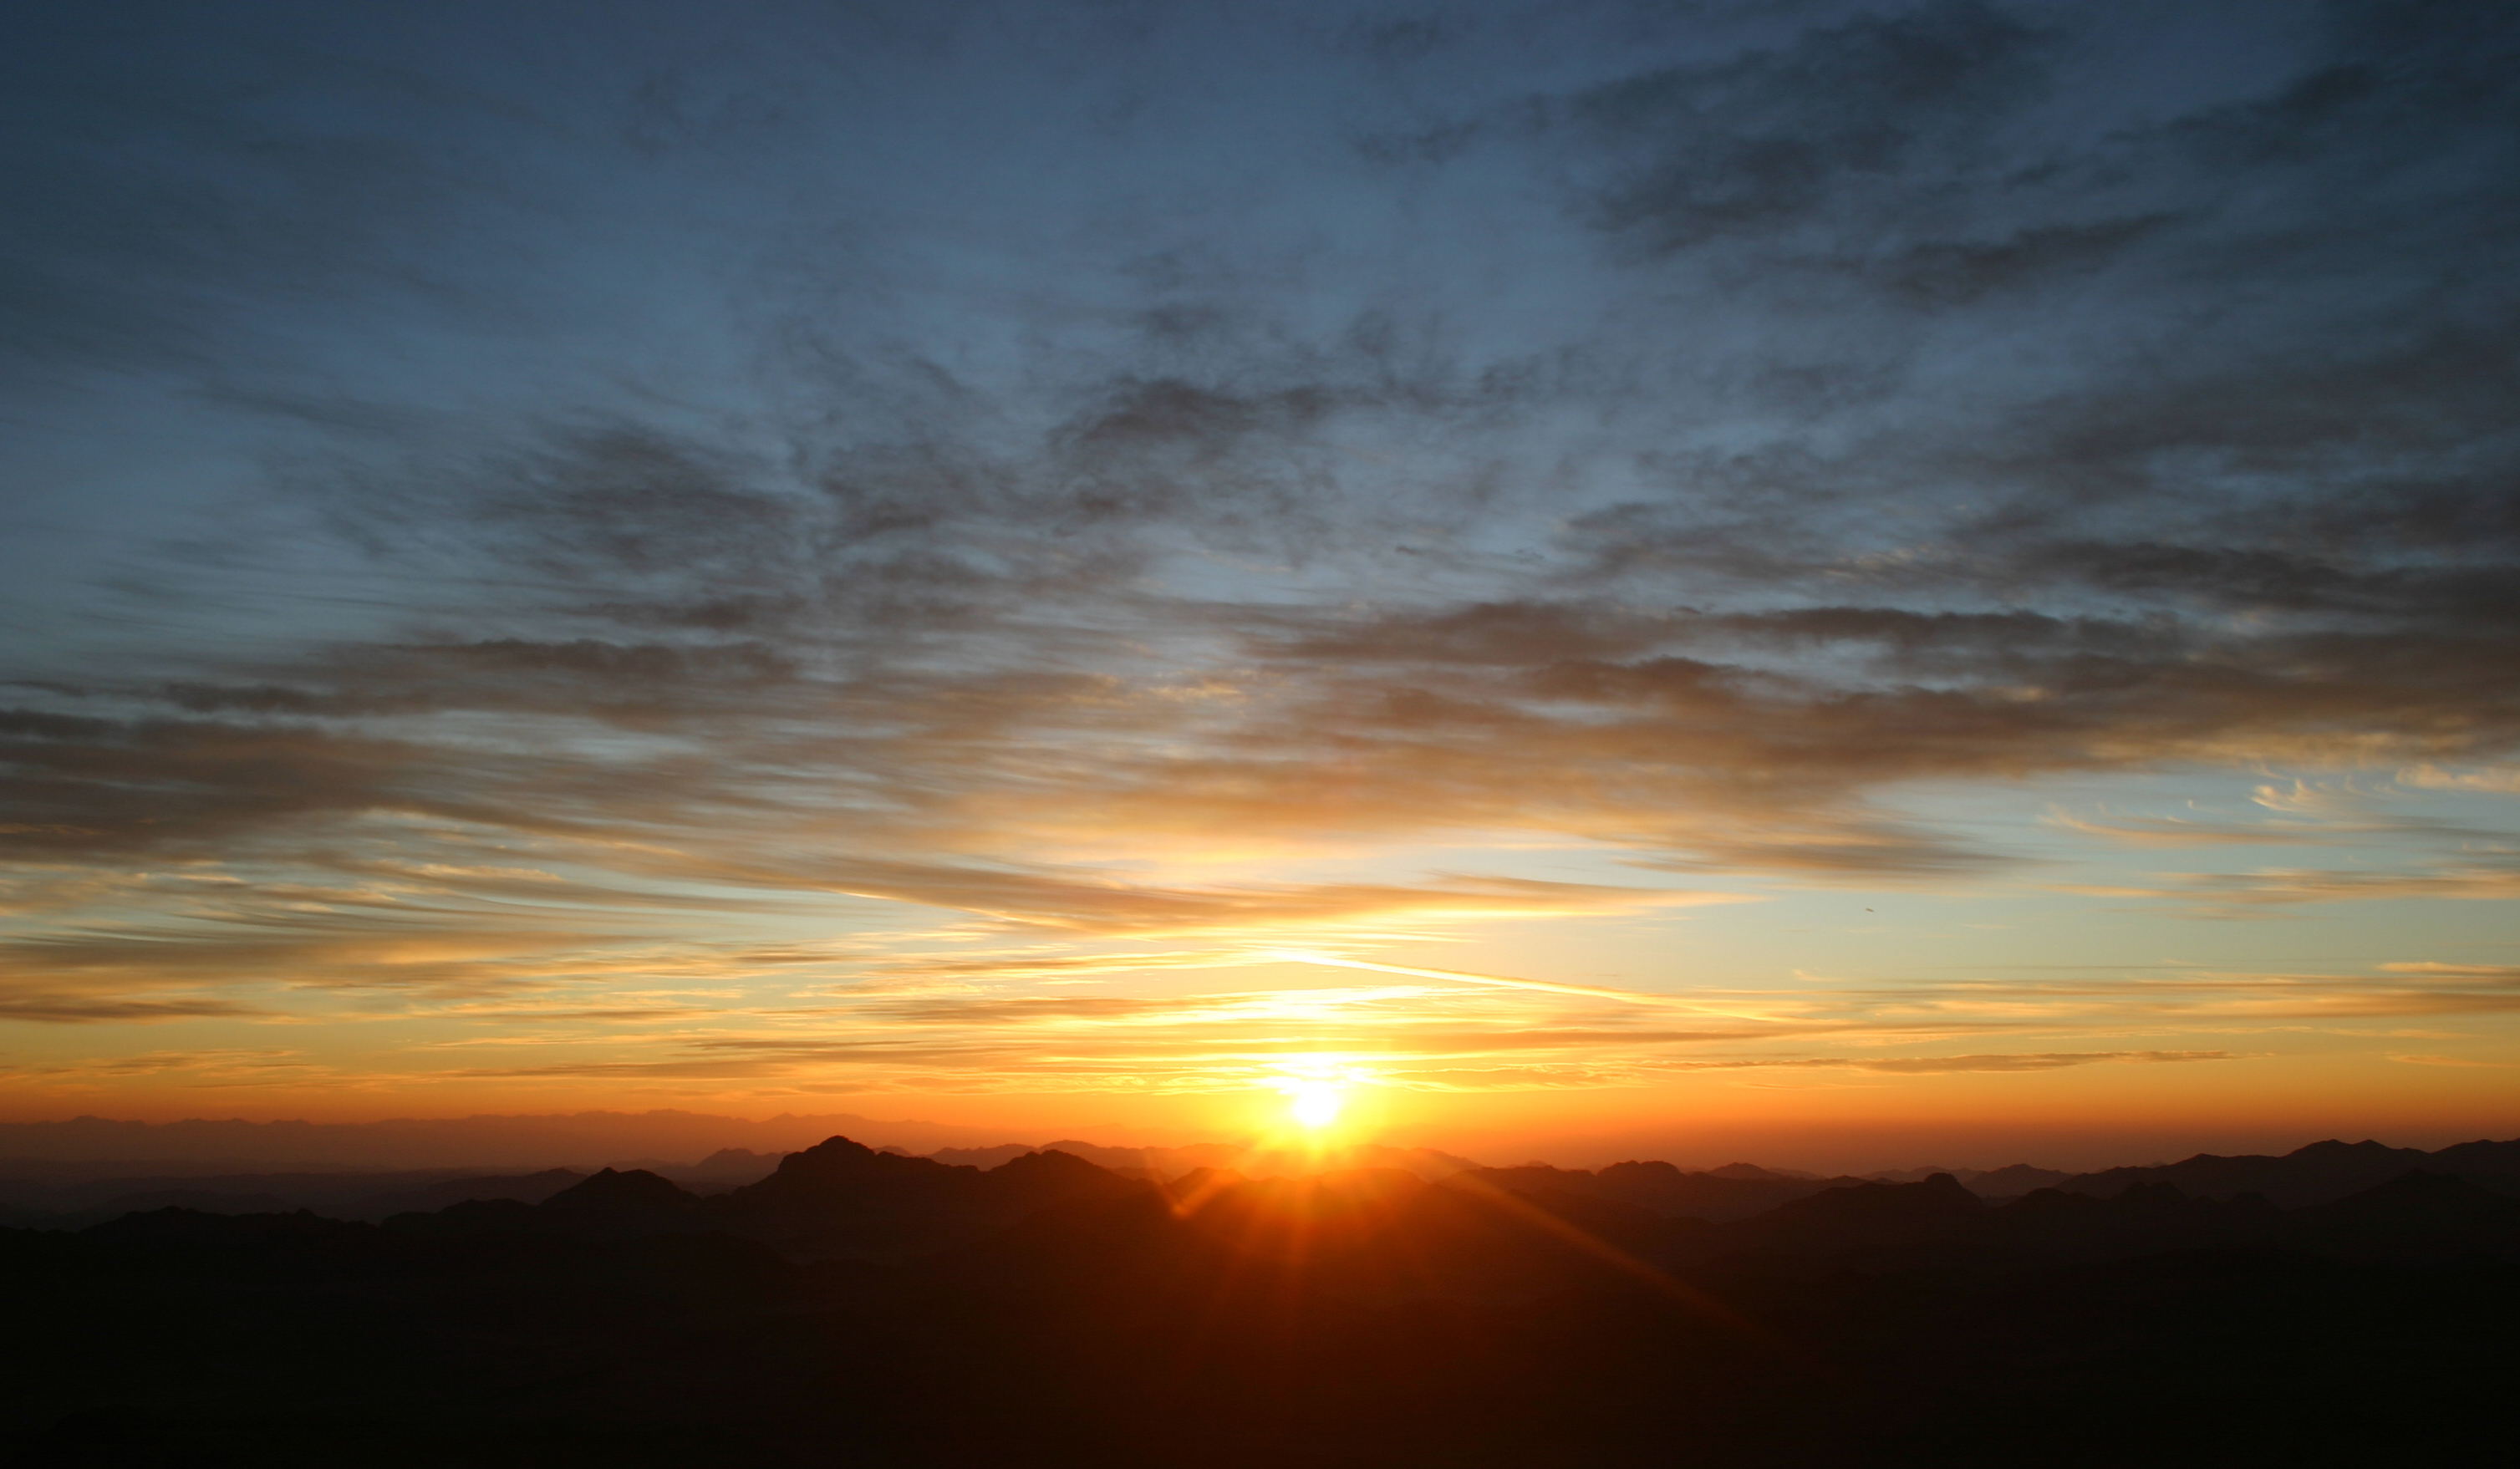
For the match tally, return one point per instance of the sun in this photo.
(1315, 1104)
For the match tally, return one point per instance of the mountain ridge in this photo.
(865, 1308)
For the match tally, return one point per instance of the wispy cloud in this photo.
(616, 549)
(1936, 1065)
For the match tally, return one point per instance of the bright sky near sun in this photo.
(1315, 1104)
(1496, 574)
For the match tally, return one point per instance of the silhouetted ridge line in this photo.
(2319, 1173)
(864, 1307)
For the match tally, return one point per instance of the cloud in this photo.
(2176, 831)
(2305, 812)
(1225, 1045)
(1371, 496)
(2242, 894)
(2193, 997)
(1764, 143)
(212, 1067)
(446, 938)
(2504, 975)
(2434, 778)
(76, 1010)
(1086, 906)
(1938, 1065)
(1416, 1030)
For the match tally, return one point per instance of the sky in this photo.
(1579, 574)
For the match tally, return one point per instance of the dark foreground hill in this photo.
(857, 1308)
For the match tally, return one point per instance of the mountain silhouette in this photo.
(618, 1204)
(857, 1307)
(1870, 1216)
(2011, 1181)
(2320, 1173)
(2416, 1216)
(339, 1195)
(1735, 1191)
(1168, 1163)
(841, 1199)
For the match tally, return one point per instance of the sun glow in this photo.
(1315, 1104)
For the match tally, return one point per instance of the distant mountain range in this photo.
(1256, 1162)
(2320, 1173)
(859, 1307)
(96, 1146)
(840, 1200)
